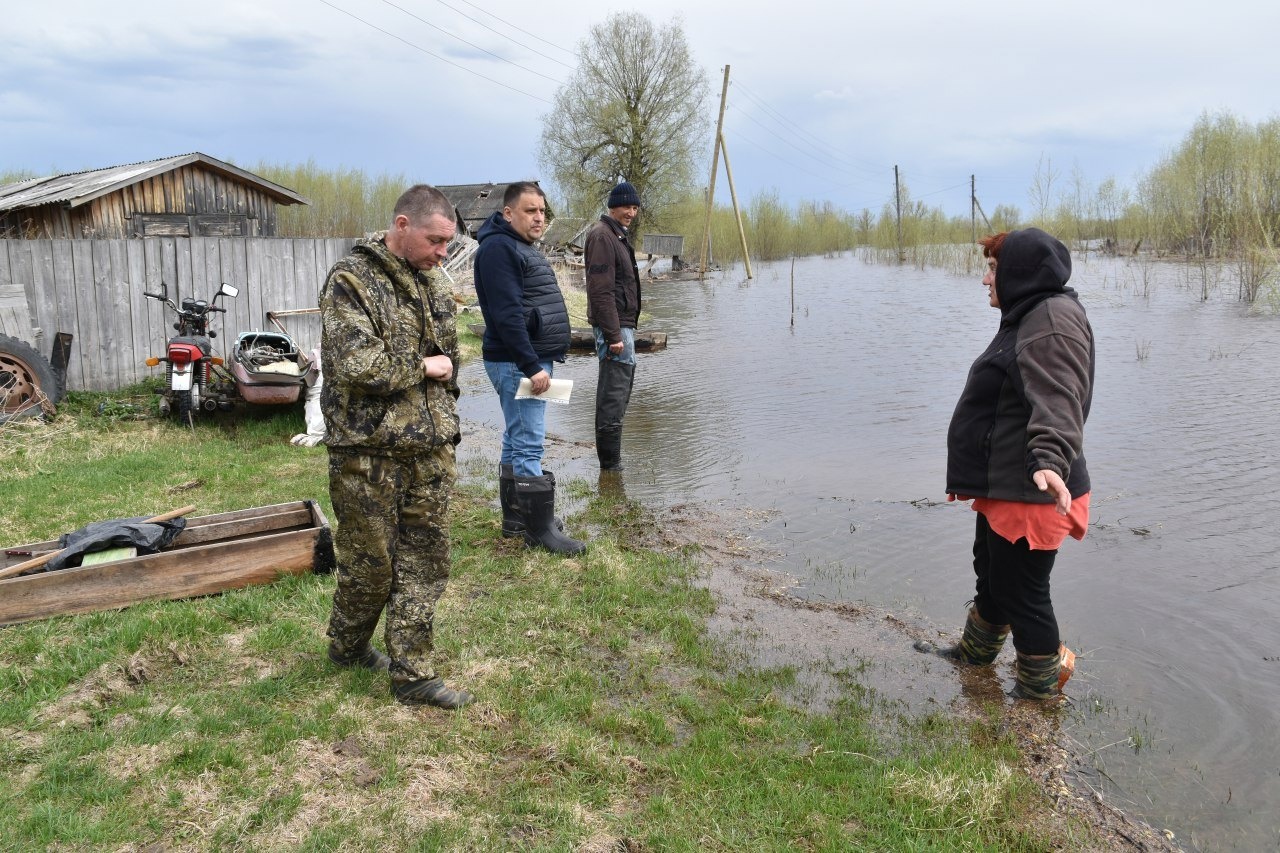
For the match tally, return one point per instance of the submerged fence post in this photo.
(793, 291)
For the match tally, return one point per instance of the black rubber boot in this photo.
(609, 449)
(431, 691)
(512, 520)
(537, 499)
(980, 643)
(613, 394)
(370, 658)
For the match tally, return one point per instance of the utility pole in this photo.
(897, 198)
(711, 186)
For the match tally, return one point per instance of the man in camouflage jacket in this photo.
(389, 351)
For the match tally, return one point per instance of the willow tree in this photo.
(635, 110)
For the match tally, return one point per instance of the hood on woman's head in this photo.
(1031, 262)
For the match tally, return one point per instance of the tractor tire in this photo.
(27, 382)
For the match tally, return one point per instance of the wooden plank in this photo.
(135, 277)
(235, 266)
(257, 276)
(168, 575)
(184, 283)
(73, 272)
(156, 254)
(109, 309)
(15, 320)
(584, 339)
(271, 272)
(239, 529)
(37, 263)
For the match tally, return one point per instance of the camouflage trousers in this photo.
(392, 549)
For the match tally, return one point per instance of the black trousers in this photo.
(1013, 589)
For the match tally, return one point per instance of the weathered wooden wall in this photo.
(187, 201)
(93, 289)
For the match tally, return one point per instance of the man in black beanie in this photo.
(613, 308)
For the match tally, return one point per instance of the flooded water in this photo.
(836, 426)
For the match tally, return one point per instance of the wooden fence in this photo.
(93, 289)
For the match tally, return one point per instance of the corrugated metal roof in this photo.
(76, 188)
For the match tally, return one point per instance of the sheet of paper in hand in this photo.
(558, 392)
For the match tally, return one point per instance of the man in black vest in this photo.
(526, 330)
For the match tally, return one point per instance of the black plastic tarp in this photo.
(147, 536)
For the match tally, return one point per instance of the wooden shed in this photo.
(477, 202)
(190, 195)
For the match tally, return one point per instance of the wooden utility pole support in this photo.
(973, 208)
(897, 203)
(733, 194)
(711, 186)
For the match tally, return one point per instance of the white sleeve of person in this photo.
(315, 433)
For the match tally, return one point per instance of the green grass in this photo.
(607, 716)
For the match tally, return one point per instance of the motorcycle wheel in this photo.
(186, 408)
(26, 381)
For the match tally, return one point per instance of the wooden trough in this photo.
(214, 553)
(584, 339)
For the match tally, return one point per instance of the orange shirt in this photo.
(1039, 524)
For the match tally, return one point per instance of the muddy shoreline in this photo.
(759, 614)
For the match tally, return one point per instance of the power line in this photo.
(794, 127)
(469, 44)
(434, 55)
(572, 53)
(509, 38)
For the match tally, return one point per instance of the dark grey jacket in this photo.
(1027, 396)
(613, 279)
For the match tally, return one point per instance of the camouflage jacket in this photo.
(380, 319)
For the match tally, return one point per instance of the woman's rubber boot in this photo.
(980, 643)
(512, 520)
(537, 500)
(1041, 677)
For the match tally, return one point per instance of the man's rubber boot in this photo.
(369, 658)
(537, 500)
(431, 691)
(980, 643)
(1041, 677)
(613, 394)
(512, 520)
(609, 449)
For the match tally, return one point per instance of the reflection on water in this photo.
(838, 426)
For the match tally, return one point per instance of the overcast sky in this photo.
(825, 98)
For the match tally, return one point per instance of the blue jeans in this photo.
(524, 421)
(628, 354)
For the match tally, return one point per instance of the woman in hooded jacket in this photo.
(1015, 448)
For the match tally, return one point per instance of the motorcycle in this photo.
(266, 367)
(189, 354)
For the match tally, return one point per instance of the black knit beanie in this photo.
(623, 195)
